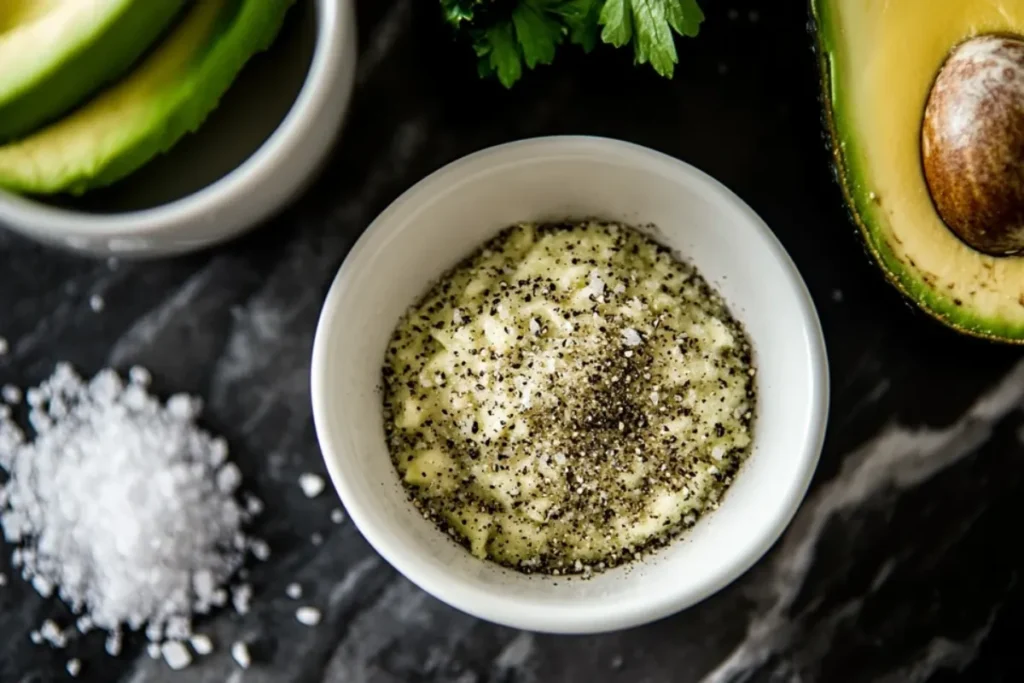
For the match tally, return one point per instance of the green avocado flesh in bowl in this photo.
(879, 61)
(167, 95)
(55, 53)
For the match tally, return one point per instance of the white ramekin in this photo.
(444, 218)
(240, 200)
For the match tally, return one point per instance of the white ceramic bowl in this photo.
(444, 218)
(266, 139)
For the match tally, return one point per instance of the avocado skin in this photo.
(104, 59)
(957, 317)
(241, 28)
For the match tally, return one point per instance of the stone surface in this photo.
(902, 564)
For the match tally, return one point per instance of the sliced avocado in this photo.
(167, 95)
(56, 52)
(879, 60)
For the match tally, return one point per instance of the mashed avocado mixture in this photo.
(567, 397)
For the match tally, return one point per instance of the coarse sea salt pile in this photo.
(124, 507)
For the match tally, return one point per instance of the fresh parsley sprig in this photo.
(506, 34)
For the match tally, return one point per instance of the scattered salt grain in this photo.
(153, 650)
(3, 579)
(240, 653)
(317, 538)
(261, 550)
(96, 303)
(337, 515)
(36, 637)
(253, 505)
(534, 326)
(84, 623)
(240, 598)
(631, 337)
(113, 644)
(837, 295)
(202, 644)
(293, 591)
(308, 616)
(121, 505)
(312, 484)
(73, 667)
(718, 452)
(4, 346)
(176, 655)
(11, 394)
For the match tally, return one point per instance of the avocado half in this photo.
(879, 59)
(168, 94)
(54, 53)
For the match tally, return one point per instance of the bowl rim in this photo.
(68, 224)
(596, 617)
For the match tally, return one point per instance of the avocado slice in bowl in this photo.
(167, 95)
(880, 61)
(55, 53)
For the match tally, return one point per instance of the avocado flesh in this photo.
(879, 59)
(169, 94)
(55, 53)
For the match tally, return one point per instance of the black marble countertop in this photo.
(902, 564)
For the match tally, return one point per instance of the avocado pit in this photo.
(972, 144)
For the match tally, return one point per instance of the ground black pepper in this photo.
(608, 402)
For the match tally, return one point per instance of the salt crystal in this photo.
(96, 303)
(240, 653)
(312, 485)
(113, 644)
(42, 585)
(261, 550)
(240, 597)
(308, 616)
(619, 288)
(139, 375)
(228, 478)
(337, 515)
(631, 337)
(202, 644)
(73, 667)
(4, 346)
(3, 579)
(176, 655)
(11, 394)
(293, 591)
(114, 502)
(718, 452)
(178, 628)
(84, 623)
(457, 316)
(596, 284)
(153, 650)
(36, 637)
(253, 505)
(534, 326)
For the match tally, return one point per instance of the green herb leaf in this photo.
(458, 11)
(538, 33)
(649, 24)
(581, 19)
(508, 33)
(617, 20)
(499, 54)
